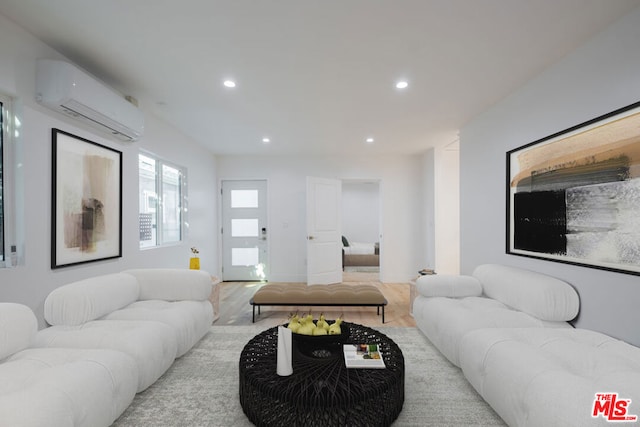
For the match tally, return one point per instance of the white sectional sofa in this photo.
(58, 386)
(543, 377)
(507, 328)
(447, 307)
(130, 325)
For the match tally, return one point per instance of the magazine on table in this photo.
(363, 356)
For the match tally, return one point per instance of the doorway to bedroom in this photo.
(361, 230)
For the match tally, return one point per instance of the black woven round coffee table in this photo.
(321, 391)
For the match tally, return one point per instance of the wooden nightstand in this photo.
(413, 293)
(214, 298)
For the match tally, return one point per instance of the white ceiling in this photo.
(316, 76)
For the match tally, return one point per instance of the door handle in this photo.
(310, 237)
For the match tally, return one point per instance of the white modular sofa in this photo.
(494, 296)
(550, 377)
(110, 337)
(507, 329)
(153, 315)
(58, 387)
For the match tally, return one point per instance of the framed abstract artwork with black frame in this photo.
(574, 196)
(86, 201)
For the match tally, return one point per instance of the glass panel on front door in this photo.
(244, 198)
(243, 257)
(244, 227)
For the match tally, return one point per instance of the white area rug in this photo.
(201, 388)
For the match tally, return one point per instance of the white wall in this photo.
(400, 192)
(360, 211)
(601, 76)
(429, 209)
(30, 282)
(447, 208)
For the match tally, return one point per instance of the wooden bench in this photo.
(300, 294)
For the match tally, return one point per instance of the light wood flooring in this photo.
(236, 310)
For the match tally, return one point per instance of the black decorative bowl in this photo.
(320, 341)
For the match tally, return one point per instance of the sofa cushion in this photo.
(442, 285)
(60, 387)
(541, 296)
(549, 377)
(190, 320)
(172, 284)
(85, 300)
(151, 344)
(445, 321)
(18, 326)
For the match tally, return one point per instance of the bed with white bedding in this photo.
(360, 254)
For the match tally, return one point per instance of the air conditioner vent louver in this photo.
(65, 88)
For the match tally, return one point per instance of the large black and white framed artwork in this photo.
(86, 201)
(574, 196)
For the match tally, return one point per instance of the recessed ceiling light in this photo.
(229, 83)
(266, 140)
(402, 84)
(369, 140)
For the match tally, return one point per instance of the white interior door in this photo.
(244, 230)
(324, 223)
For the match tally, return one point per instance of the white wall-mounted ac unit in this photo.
(67, 89)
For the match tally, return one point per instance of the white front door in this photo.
(324, 224)
(244, 230)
